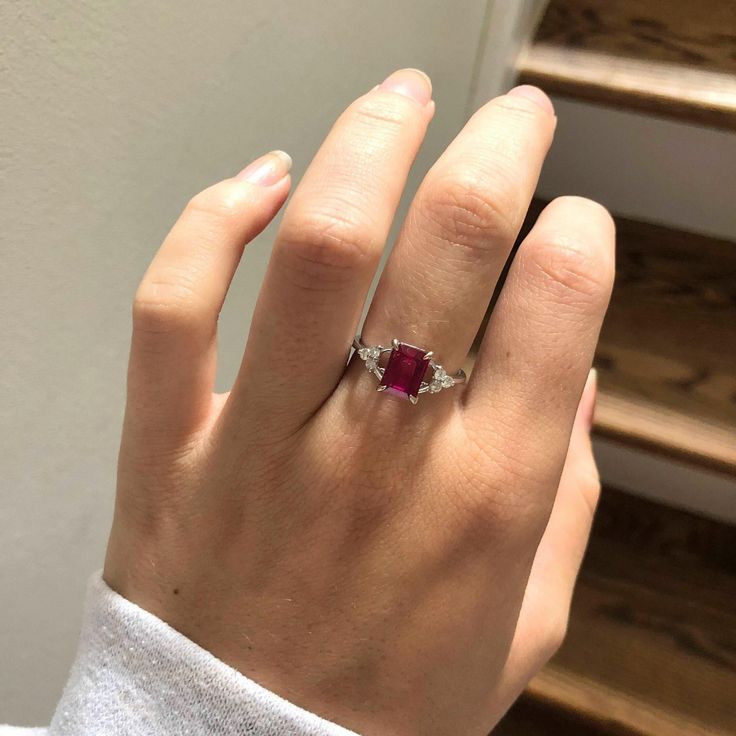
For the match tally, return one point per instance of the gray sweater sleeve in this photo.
(136, 676)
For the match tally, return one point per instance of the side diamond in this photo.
(369, 353)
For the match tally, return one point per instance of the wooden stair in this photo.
(675, 58)
(651, 646)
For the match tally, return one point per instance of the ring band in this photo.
(405, 370)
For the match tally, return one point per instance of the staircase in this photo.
(651, 646)
(673, 58)
(651, 649)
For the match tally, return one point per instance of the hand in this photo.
(399, 570)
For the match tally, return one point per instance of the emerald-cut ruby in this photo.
(405, 371)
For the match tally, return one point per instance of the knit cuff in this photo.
(136, 676)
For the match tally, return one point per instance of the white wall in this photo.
(644, 167)
(112, 115)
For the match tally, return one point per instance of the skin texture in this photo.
(399, 570)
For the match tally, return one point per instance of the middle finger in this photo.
(326, 254)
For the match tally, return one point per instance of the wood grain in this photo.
(533, 714)
(651, 646)
(670, 57)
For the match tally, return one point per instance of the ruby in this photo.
(405, 371)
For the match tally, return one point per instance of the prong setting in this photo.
(403, 374)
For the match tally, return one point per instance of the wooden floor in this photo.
(651, 647)
(666, 57)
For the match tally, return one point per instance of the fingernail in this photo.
(590, 393)
(267, 170)
(410, 83)
(535, 95)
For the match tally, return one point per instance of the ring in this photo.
(405, 370)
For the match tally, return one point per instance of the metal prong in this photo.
(428, 355)
(413, 399)
(381, 388)
(395, 343)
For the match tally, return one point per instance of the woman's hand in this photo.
(399, 570)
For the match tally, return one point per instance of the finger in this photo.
(172, 361)
(546, 606)
(460, 229)
(327, 250)
(560, 552)
(540, 341)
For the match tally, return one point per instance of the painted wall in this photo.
(112, 116)
(645, 167)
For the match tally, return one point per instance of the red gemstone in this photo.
(405, 370)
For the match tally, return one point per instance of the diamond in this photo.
(434, 387)
(371, 365)
(405, 370)
(447, 381)
(369, 353)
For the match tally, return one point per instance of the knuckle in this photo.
(471, 211)
(578, 272)
(381, 111)
(162, 306)
(325, 244)
(520, 107)
(221, 202)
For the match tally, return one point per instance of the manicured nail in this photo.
(410, 83)
(267, 170)
(590, 393)
(535, 95)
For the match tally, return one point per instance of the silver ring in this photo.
(405, 371)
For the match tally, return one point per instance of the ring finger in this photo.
(460, 228)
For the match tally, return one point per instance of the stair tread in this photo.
(671, 57)
(655, 427)
(651, 644)
(616, 711)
